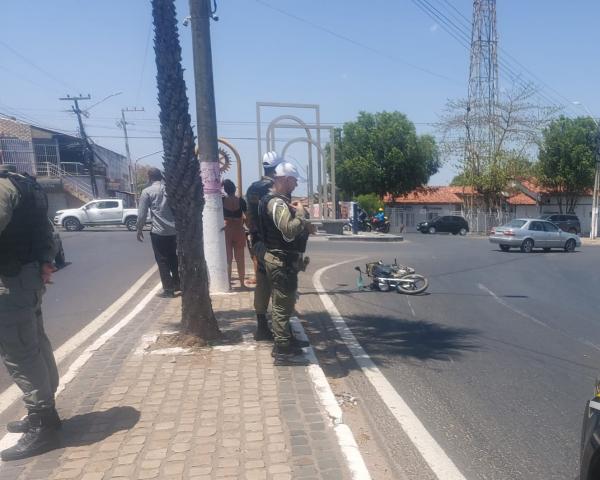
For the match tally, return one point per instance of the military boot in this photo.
(42, 436)
(21, 426)
(288, 355)
(263, 332)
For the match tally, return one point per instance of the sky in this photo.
(344, 55)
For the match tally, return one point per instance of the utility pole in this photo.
(123, 124)
(206, 121)
(594, 225)
(88, 152)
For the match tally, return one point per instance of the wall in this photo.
(408, 216)
(583, 210)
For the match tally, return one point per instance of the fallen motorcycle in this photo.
(385, 277)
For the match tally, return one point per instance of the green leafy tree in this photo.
(369, 202)
(567, 159)
(381, 153)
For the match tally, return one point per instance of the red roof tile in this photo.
(429, 195)
(520, 199)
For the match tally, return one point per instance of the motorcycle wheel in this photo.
(367, 228)
(413, 284)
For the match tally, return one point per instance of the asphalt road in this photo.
(102, 265)
(496, 360)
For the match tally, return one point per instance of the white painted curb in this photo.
(345, 437)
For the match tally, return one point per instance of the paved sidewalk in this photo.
(216, 413)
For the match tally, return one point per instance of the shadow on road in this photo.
(387, 338)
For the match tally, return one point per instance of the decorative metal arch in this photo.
(270, 135)
(238, 161)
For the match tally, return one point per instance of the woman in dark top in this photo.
(234, 211)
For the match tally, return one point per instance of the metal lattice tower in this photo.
(483, 87)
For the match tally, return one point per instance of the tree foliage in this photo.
(369, 202)
(567, 159)
(516, 123)
(381, 153)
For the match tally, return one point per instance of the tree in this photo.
(381, 153)
(184, 187)
(141, 178)
(567, 159)
(369, 202)
(517, 123)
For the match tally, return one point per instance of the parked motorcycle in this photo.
(363, 226)
(399, 277)
(381, 227)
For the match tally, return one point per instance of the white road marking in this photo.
(411, 307)
(510, 307)
(439, 462)
(11, 438)
(12, 393)
(583, 341)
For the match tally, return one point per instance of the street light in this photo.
(594, 222)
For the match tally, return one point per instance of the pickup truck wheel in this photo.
(131, 224)
(72, 224)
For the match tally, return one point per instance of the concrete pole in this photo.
(332, 176)
(206, 120)
(594, 220)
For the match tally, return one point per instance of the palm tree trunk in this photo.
(183, 183)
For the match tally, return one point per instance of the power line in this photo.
(355, 42)
(34, 65)
(461, 34)
(139, 89)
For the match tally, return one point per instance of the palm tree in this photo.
(183, 183)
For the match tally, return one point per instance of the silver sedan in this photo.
(528, 233)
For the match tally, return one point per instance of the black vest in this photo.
(270, 234)
(25, 238)
(255, 193)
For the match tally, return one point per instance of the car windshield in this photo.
(515, 224)
(545, 217)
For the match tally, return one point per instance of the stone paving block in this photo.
(215, 414)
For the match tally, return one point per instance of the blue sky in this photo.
(392, 57)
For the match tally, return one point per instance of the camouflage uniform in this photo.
(26, 243)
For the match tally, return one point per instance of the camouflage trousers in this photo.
(24, 346)
(283, 279)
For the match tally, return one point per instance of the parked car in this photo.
(568, 223)
(527, 234)
(590, 446)
(60, 260)
(96, 213)
(453, 224)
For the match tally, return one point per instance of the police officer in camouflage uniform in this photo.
(284, 231)
(262, 291)
(27, 251)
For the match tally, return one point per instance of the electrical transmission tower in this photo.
(483, 89)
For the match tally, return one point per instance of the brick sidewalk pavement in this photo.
(217, 413)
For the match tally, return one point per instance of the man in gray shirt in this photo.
(162, 235)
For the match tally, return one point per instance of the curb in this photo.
(346, 238)
(345, 437)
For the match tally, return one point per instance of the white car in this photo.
(96, 213)
(527, 234)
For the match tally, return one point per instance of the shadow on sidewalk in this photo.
(94, 427)
(234, 324)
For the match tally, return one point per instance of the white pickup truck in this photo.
(95, 213)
